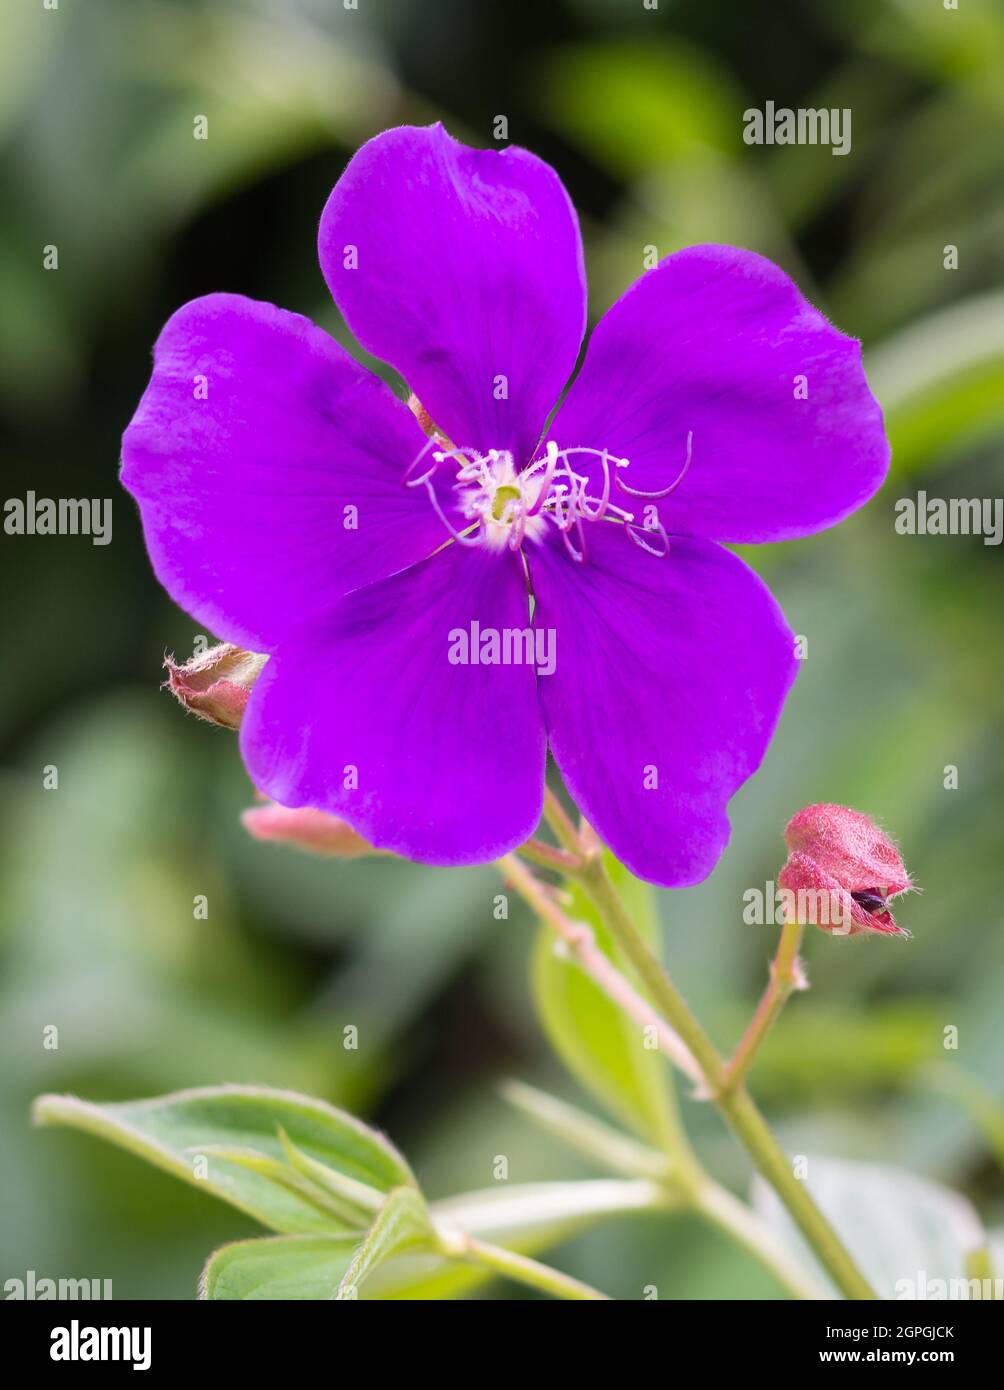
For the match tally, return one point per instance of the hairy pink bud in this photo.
(307, 829)
(841, 853)
(216, 684)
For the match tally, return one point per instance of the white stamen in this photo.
(506, 506)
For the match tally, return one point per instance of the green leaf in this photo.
(544, 1211)
(172, 1131)
(337, 1184)
(278, 1268)
(340, 1212)
(899, 1228)
(525, 1217)
(403, 1220)
(311, 1172)
(602, 1048)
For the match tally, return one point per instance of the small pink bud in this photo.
(840, 852)
(307, 829)
(216, 685)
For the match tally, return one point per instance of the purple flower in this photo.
(295, 506)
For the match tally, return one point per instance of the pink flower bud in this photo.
(216, 685)
(307, 829)
(841, 853)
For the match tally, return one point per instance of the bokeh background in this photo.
(641, 112)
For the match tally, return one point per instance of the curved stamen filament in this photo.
(550, 460)
(657, 529)
(425, 480)
(506, 505)
(599, 507)
(662, 492)
(408, 480)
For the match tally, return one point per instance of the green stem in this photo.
(736, 1106)
(614, 1151)
(519, 1267)
(684, 1180)
(577, 937)
(686, 1186)
(401, 1221)
(549, 856)
(721, 1209)
(785, 977)
(596, 964)
(565, 832)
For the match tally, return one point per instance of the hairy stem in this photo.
(597, 965)
(461, 1246)
(685, 1180)
(565, 832)
(785, 977)
(686, 1187)
(736, 1106)
(549, 856)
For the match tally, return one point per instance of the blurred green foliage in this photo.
(641, 112)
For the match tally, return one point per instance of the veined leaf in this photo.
(173, 1131)
(315, 1267)
(277, 1268)
(526, 1218)
(341, 1213)
(402, 1221)
(339, 1184)
(296, 1177)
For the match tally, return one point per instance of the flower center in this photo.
(502, 503)
(503, 506)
